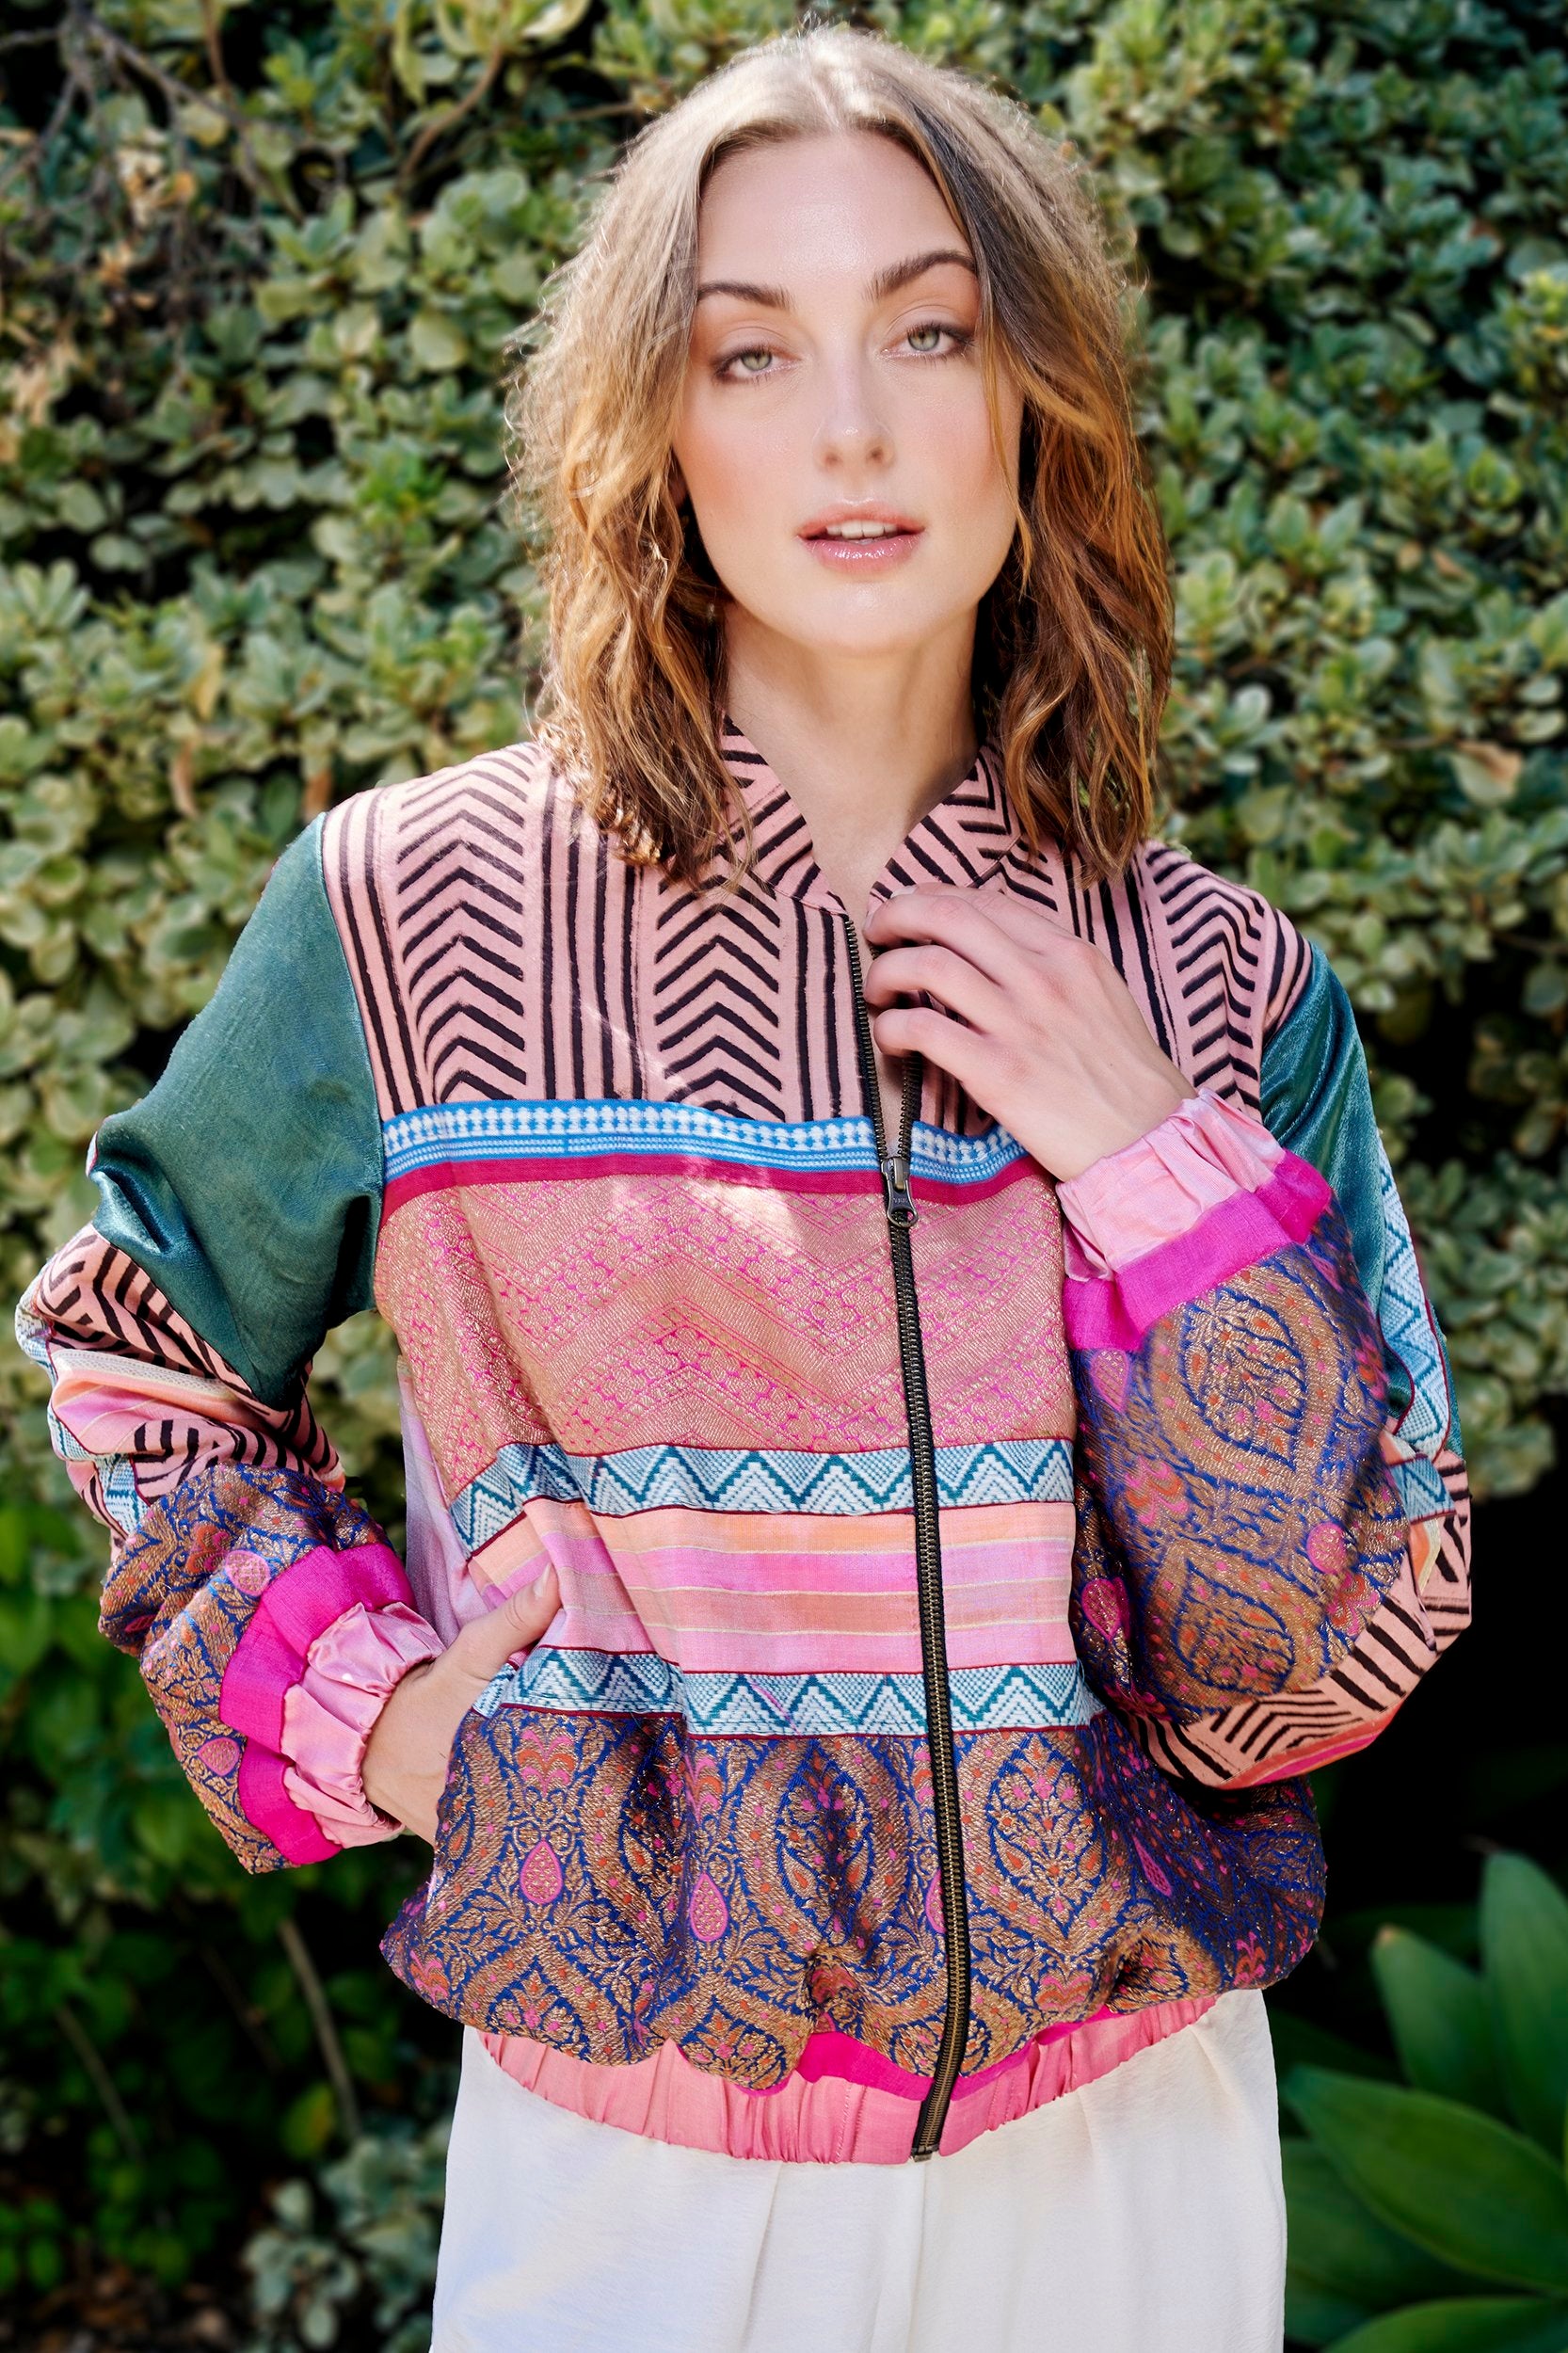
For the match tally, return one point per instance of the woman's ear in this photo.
(676, 482)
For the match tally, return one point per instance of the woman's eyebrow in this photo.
(898, 274)
(768, 297)
(886, 281)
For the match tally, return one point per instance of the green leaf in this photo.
(1317, 2316)
(438, 343)
(81, 508)
(165, 1820)
(1487, 773)
(1440, 2019)
(308, 2122)
(1340, 2252)
(1471, 2324)
(1302, 2042)
(1523, 1930)
(26, 1629)
(1456, 2182)
(555, 19)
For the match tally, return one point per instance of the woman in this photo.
(923, 1419)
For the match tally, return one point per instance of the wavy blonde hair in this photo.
(1073, 646)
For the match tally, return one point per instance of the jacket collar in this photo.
(962, 841)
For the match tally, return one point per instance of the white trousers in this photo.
(1142, 2214)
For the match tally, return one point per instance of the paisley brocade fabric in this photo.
(186, 1589)
(1235, 1453)
(607, 1883)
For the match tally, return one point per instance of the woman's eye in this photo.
(931, 340)
(746, 363)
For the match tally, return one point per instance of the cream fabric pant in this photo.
(1142, 2213)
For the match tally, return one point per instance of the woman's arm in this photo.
(1272, 1516)
(1274, 1538)
(238, 1210)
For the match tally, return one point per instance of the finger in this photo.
(1041, 932)
(915, 1030)
(977, 925)
(933, 970)
(951, 918)
(483, 1647)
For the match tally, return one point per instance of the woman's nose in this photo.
(853, 431)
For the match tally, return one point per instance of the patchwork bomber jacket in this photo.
(940, 1653)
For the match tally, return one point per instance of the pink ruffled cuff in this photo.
(1159, 1187)
(300, 1635)
(351, 1669)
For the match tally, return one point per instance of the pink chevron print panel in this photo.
(501, 949)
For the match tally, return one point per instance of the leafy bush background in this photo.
(259, 267)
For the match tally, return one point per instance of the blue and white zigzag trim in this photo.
(1431, 1420)
(801, 1705)
(732, 1478)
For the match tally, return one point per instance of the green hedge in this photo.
(260, 264)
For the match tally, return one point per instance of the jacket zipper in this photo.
(901, 1213)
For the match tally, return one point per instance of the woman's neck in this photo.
(865, 749)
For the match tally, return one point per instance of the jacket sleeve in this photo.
(1273, 1516)
(238, 1205)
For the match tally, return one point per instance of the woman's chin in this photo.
(861, 624)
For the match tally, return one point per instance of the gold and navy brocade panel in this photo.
(604, 1883)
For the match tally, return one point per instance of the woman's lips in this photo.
(859, 556)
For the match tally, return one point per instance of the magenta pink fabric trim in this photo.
(452, 1176)
(270, 1657)
(264, 1801)
(1244, 1229)
(830, 2119)
(840, 2058)
(295, 1608)
(1164, 1183)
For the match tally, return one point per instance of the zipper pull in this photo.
(898, 1201)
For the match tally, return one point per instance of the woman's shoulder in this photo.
(452, 895)
(1215, 938)
(502, 803)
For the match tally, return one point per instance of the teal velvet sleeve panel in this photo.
(1317, 1100)
(248, 1183)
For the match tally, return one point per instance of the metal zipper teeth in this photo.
(901, 1214)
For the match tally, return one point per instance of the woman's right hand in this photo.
(410, 1747)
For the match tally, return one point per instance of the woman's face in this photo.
(834, 433)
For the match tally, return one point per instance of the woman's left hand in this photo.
(1048, 1038)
